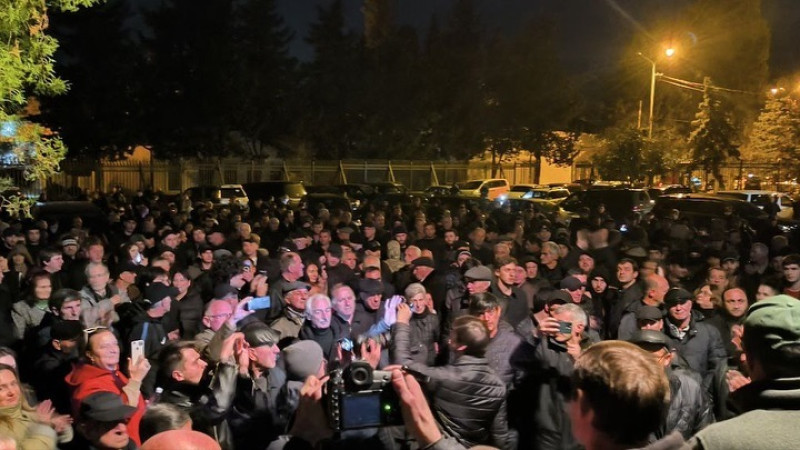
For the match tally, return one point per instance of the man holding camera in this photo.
(472, 419)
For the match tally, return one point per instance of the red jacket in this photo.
(86, 379)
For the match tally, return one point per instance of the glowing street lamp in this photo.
(669, 52)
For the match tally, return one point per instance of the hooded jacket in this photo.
(86, 379)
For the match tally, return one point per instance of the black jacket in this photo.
(207, 406)
(468, 398)
(255, 418)
(424, 329)
(689, 408)
(701, 346)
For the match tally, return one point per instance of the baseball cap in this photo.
(105, 406)
(676, 296)
(775, 321)
(478, 273)
(399, 229)
(729, 255)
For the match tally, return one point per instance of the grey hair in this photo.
(575, 312)
(311, 301)
(414, 289)
(92, 265)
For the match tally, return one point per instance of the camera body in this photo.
(360, 397)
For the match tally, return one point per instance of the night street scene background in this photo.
(534, 82)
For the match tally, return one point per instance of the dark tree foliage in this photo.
(331, 94)
(264, 78)
(101, 114)
(190, 93)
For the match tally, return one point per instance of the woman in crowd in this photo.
(316, 278)
(20, 261)
(707, 300)
(187, 307)
(29, 313)
(99, 371)
(29, 428)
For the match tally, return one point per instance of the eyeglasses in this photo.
(89, 332)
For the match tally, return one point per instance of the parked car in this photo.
(548, 207)
(762, 199)
(658, 191)
(495, 187)
(701, 209)
(437, 191)
(332, 202)
(290, 192)
(521, 190)
(335, 190)
(556, 194)
(619, 202)
(388, 187)
(225, 195)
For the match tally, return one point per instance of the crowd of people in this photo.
(218, 327)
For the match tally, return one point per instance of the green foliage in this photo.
(712, 138)
(102, 61)
(623, 156)
(27, 62)
(776, 133)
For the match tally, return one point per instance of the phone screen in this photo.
(259, 303)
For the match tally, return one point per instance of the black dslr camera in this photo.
(360, 397)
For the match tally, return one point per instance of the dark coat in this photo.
(500, 349)
(255, 419)
(470, 414)
(207, 406)
(327, 339)
(770, 410)
(424, 333)
(689, 408)
(701, 346)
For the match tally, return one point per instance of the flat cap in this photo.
(479, 273)
(676, 296)
(648, 312)
(775, 321)
(650, 338)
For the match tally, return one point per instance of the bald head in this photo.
(657, 287)
(181, 440)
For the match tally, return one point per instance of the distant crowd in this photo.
(194, 324)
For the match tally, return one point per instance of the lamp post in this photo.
(668, 52)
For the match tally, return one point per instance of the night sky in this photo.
(590, 32)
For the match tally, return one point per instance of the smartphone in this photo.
(564, 327)
(259, 303)
(137, 350)
(138, 258)
(248, 265)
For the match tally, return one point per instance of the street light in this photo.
(669, 53)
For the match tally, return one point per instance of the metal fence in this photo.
(175, 176)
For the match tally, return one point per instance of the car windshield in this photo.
(539, 194)
(231, 192)
(470, 184)
(520, 188)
